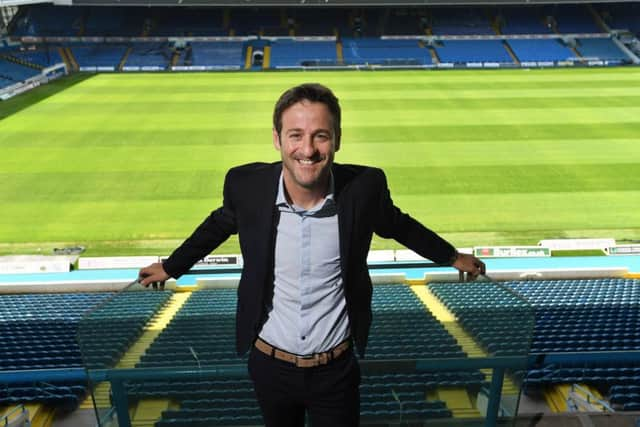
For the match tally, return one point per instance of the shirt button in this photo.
(303, 338)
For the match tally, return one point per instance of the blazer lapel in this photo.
(345, 217)
(271, 218)
(268, 206)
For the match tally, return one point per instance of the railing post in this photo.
(121, 402)
(495, 393)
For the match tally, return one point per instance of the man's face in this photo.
(307, 145)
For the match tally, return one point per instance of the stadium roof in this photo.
(298, 3)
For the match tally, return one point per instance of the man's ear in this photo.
(338, 138)
(276, 139)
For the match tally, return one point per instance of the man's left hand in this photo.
(471, 265)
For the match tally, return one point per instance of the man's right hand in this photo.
(152, 273)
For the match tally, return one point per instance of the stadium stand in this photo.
(146, 54)
(389, 52)
(201, 334)
(12, 73)
(403, 329)
(196, 329)
(36, 58)
(253, 21)
(217, 54)
(186, 22)
(405, 22)
(40, 331)
(293, 53)
(106, 332)
(460, 20)
(570, 18)
(99, 55)
(540, 50)
(460, 51)
(319, 22)
(99, 21)
(604, 49)
(572, 316)
(546, 35)
(522, 20)
(48, 20)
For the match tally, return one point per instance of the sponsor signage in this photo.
(219, 260)
(94, 263)
(27, 264)
(577, 244)
(211, 260)
(151, 68)
(204, 67)
(511, 251)
(625, 250)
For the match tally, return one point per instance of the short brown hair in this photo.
(313, 92)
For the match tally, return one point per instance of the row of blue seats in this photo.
(422, 407)
(78, 390)
(209, 311)
(63, 396)
(576, 313)
(368, 399)
(176, 21)
(563, 323)
(567, 371)
(420, 380)
(208, 422)
(355, 52)
(39, 330)
(624, 389)
(245, 420)
(581, 379)
(60, 401)
(575, 288)
(113, 323)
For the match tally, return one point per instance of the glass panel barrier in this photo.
(451, 354)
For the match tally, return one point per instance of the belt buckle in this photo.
(322, 358)
(312, 361)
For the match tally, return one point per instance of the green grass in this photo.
(131, 163)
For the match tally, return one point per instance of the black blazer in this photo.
(364, 207)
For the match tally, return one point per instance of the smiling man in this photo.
(304, 299)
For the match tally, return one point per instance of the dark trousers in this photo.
(330, 393)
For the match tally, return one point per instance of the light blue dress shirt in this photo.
(309, 312)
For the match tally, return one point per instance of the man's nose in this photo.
(308, 147)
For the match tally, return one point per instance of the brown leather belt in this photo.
(316, 359)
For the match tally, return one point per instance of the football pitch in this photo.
(129, 164)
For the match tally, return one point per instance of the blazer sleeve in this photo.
(210, 234)
(391, 222)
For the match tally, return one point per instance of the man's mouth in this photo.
(308, 161)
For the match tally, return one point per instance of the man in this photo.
(305, 225)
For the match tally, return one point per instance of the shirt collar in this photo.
(281, 199)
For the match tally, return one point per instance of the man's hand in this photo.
(153, 273)
(469, 264)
